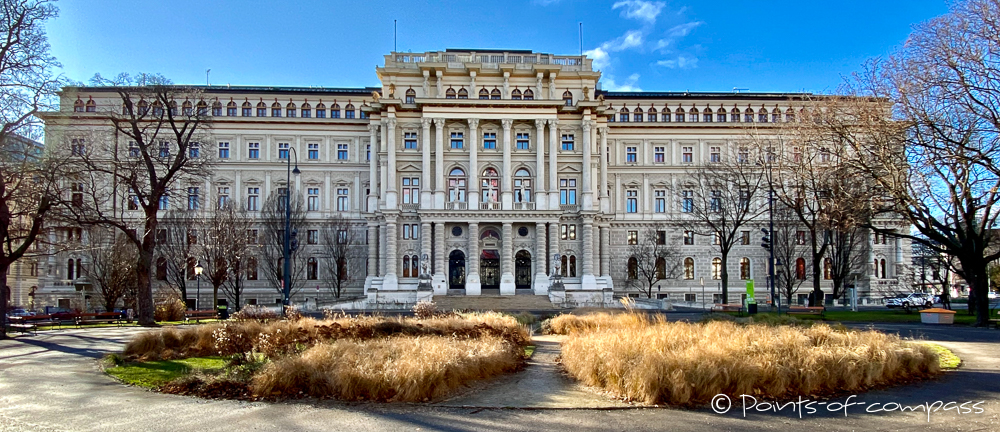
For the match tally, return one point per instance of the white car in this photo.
(906, 301)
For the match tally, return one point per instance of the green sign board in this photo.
(750, 294)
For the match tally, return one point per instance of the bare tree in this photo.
(177, 247)
(788, 245)
(27, 193)
(653, 257)
(344, 254)
(225, 243)
(153, 144)
(724, 192)
(272, 232)
(112, 266)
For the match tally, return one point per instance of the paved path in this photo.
(50, 382)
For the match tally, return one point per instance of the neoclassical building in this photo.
(479, 167)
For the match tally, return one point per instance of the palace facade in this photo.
(487, 170)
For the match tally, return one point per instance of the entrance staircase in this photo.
(495, 303)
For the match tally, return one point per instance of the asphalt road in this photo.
(51, 382)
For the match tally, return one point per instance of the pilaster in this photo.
(390, 135)
(588, 281)
(390, 283)
(506, 196)
(425, 173)
(507, 286)
(604, 199)
(553, 164)
(541, 199)
(587, 194)
(473, 285)
(473, 198)
(438, 158)
(439, 280)
(540, 281)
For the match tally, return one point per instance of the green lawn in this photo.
(947, 358)
(873, 316)
(153, 374)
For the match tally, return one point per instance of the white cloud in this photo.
(679, 31)
(640, 10)
(600, 57)
(681, 62)
(609, 84)
(545, 2)
(602, 54)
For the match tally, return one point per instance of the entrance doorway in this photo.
(456, 270)
(489, 269)
(522, 270)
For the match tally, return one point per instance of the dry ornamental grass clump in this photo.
(654, 362)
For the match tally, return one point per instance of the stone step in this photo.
(496, 303)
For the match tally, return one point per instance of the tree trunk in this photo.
(215, 296)
(817, 273)
(144, 296)
(725, 276)
(979, 286)
(3, 298)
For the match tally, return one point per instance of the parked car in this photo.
(906, 301)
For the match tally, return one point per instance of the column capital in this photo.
(553, 122)
(473, 124)
(373, 127)
(603, 130)
(506, 123)
(587, 124)
(425, 123)
(390, 123)
(539, 123)
(439, 123)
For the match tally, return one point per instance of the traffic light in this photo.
(293, 243)
(765, 242)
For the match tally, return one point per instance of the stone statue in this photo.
(375, 96)
(392, 91)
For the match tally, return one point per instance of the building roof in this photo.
(360, 91)
(701, 95)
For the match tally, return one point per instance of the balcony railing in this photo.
(409, 206)
(456, 205)
(524, 206)
(570, 207)
(489, 206)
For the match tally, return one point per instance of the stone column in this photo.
(373, 168)
(506, 196)
(541, 280)
(390, 283)
(439, 185)
(603, 186)
(553, 164)
(473, 184)
(425, 248)
(588, 281)
(390, 170)
(587, 195)
(373, 255)
(507, 260)
(427, 84)
(440, 84)
(425, 173)
(538, 85)
(605, 251)
(552, 87)
(553, 243)
(540, 196)
(382, 240)
(473, 286)
(439, 280)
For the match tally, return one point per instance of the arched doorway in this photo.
(456, 270)
(522, 270)
(489, 269)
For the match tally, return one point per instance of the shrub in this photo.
(169, 307)
(254, 313)
(424, 309)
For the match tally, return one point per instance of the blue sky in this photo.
(773, 45)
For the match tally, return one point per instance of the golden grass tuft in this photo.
(654, 361)
(390, 369)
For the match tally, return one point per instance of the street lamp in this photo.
(197, 275)
(290, 246)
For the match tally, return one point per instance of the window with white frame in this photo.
(716, 239)
(715, 201)
(631, 155)
(715, 154)
(489, 140)
(631, 201)
(523, 141)
(223, 150)
(223, 193)
(192, 198)
(687, 154)
(312, 236)
(457, 140)
(194, 150)
(567, 191)
(253, 150)
(312, 199)
(342, 151)
(411, 231)
(164, 201)
(313, 151)
(660, 201)
(343, 204)
(283, 150)
(688, 238)
(133, 149)
(659, 154)
(410, 140)
(456, 185)
(522, 186)
(411, 190)
(253, 198)
(687, 201)
(567, 142)
(164, 149)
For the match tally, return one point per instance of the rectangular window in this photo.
(687, 201)
(252, 236)
(411, 190)
(312, 237)
(164, 149)
(253, 198)
(489, 140)
(78, 147)
(660, 201)
(223, 196)
(715, 154)
(457, 141)
(342, 200)
(687, 154)
(253, 150)
(631, 201)
(716, 239)
(688, 238)
(659, 154)
(342, 151)
(707, 117)
(230, 111)
(165, 201)
(283, 150)
(744, 237)
(800, 237)
(568, 231)
(406, 232)
(194, 150)
(633, 237)
(410, 140)
(567, 191)
(312, 199)
(630, 155)
(223, 150)
(411, 231)
(661, 237)
(313, 151)
(523, 141)
(567, 142)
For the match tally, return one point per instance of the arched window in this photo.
(495, 94)
(633, 269)
(414, 266)
(91, 105)
(203, 108)
(515, 95)
(568, 98)
(745, 268)
(78, 106)
(172, 105)
(186, 106)
(143, 107)
(800, 269)
(261, 109)
(679, 115)
(456, 185)
(882, 268)
(312, 269)
(157, 109)
(490, 185)
(161, 268)
(247, 109)
(463, 93)
(875, 268)
(689, 268)
(775, 115)
(716, 268)
(290, 110)
(721, 116)
(661, 268)
(748, 115)
(637, 115)
(522, 186)
(666, 116)
(707, 115)
(406, 266)
(762, 115)
(231, 109)
(693, 115)
(306, 110)
(335, 110)
(565, 262)
(651, 114)
(572, 266)
(827, 269)
(70, 269)
(321, 110)
(789, 115)
(276, 109)
(411, 96)
(734, 115)
(623, 114)
(349, 110)
(450, 93)
(529, 95)
(484, 94)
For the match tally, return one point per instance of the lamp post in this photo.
(197, 275)
(286, 283)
